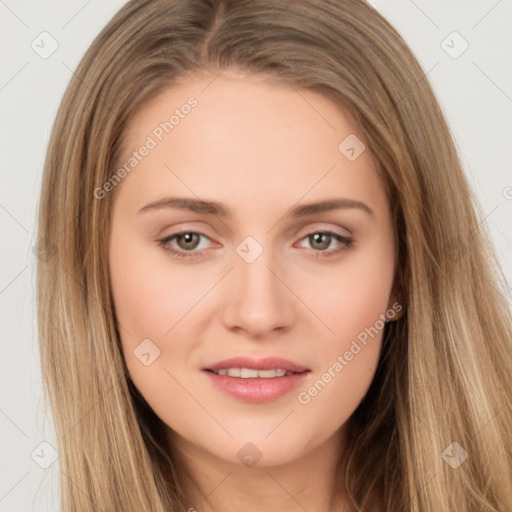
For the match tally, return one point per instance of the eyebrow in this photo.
(219, 209)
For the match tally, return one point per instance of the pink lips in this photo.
(257, 390)
(268, 363)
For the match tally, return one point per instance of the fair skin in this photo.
(261, 150)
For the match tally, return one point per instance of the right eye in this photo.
(186, 243)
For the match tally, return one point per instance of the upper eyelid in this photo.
(198, 231)
(201, 234)
(190, 231)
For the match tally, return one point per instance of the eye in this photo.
(321, 240)
(187, 242)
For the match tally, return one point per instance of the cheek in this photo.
(348, 360)
(352, 297)
(352, 305)
(149, 301)
(145, 301)
(150, 296)
(161, 302)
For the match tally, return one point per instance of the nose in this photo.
(258, 300)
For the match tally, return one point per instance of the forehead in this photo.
(241, 139)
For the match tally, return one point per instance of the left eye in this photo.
(188, 241)
(322, 240)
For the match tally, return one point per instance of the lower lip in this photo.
(257, 390)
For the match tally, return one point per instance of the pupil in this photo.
(317, 238)
(188, 237)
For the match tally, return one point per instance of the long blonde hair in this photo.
(443, 376)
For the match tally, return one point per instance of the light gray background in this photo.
(474, 89)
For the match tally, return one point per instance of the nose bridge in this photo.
(257, 300)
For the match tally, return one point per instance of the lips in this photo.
(267, 363)
(255, 388)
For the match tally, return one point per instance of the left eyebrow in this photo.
(215, 208)
(330, 204)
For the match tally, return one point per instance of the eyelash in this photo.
(165, 244)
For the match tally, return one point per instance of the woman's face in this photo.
(250, 222)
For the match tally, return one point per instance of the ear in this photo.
(396, 306)
(398, 296)
(395, 309)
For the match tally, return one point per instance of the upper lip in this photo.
(267, 363)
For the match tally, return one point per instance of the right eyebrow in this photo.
(193, 205)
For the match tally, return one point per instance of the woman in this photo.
(270, 288)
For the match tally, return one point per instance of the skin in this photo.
(261, 149)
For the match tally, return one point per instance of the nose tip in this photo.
(257, 300)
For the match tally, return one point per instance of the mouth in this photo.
(249, 373)
(244, 367)
(256, 381)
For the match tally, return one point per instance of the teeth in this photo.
(269, 374)
(245, 373)
(248, 373)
